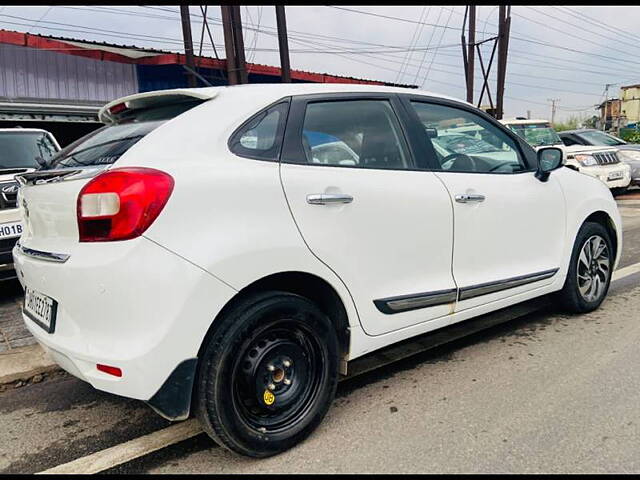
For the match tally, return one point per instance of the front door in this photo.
(385, 228)
(509, 226)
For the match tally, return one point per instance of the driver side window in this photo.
(465, 142)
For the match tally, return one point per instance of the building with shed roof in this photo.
(59, 83)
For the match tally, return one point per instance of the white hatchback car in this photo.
(193, 255)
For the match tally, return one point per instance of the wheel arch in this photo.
(305, 284)
(603, 218)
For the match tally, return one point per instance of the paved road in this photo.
(546, 393)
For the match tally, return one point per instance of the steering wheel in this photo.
(460, 156)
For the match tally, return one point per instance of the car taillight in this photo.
(122, 203)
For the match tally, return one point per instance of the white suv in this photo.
(599, 162)
(195, 254)
(21, 150)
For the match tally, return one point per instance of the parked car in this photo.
(601, 162)
(21, 150)
(629, 153)
(166, 259)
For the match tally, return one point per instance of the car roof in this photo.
(517, 121)
(579, 130)
(271, 91)
(22, 130)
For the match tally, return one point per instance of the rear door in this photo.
(364, 210)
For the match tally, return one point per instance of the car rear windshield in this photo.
(25, 149)
(595, 137)
(537, 134)
(107, 144)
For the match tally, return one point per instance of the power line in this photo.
(564, 32)
(392, 18)
(567, 11)
(604, 26)
(417, 33)
(426, 75)
(546, 63)
(433, 30)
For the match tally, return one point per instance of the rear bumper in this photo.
(133, 305)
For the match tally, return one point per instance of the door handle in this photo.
(469, 198)
(328, 198)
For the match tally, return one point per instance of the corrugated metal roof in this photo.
(132, 54)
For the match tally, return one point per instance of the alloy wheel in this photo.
(594, 268)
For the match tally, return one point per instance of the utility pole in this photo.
(504, 26)
(232, 69)
(188, 45)
(236, 22)
(283, 44)
(471, 52)
(234, 44)
(553, 108)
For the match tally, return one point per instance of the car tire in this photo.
(588, 278)
(268, 374)
(619, 191)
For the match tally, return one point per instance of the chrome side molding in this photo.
(404, 303)
(492, 287)
(40, 255)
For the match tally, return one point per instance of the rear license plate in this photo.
(10, 230)
(41, 309)
(615, 176)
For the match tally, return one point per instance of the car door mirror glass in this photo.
(549, 159)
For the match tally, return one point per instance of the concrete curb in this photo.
(24, 363)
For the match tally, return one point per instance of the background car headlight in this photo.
(629, 155)
(586, 160)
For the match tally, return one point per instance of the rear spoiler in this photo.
(109, 113)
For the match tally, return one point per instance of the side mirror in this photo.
(549, 159)
(431, 132)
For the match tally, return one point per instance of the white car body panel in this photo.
(494, 240)
(399, 214)
(232, 221)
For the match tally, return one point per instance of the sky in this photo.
(568, 54)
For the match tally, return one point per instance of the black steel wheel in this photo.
(268, 374)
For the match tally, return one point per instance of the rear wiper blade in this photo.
(117, 140)
(45, 176)
(12, 169)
